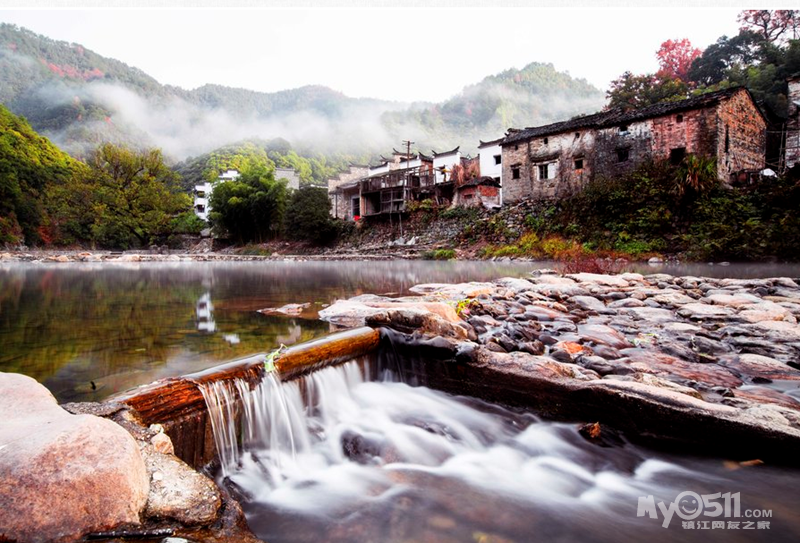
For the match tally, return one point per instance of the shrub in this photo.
(439, 254)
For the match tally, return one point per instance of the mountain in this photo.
(79, 99)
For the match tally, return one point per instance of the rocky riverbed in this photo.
(711, 361)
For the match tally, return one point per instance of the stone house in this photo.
(556, 160)
(291, 177)
(343, 192)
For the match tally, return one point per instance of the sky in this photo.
(416, 54)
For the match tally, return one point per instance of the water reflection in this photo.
(89, 330)
(119, 325)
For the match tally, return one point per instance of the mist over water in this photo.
(351, 453)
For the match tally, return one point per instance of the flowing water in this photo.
(353, 453)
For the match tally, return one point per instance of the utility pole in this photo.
(408, 173)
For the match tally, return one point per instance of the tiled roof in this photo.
(482, 143)
(451, 152)
(618, 116)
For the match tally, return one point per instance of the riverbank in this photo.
(707, 362)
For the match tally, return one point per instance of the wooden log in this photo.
(327, 351)
(177, 397)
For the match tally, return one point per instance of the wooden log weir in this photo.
(178, 405)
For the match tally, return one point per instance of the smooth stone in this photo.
(589, 303)
(698, 311)
(650, 314)
(600, 279)
(733, 300)
(62, 475)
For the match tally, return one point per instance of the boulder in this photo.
(62, 475)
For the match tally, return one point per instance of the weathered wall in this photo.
(739, 119)
(562, 150)
(478, 195)
(635, 138)
(793, 125)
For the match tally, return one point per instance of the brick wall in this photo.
(634, 140)
(746, 133)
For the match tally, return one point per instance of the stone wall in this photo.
(619, 149)
(741, 136)
(793, 124)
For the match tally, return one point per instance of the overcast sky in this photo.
(397, 54)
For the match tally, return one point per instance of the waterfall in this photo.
(278, 419)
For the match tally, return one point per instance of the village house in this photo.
(556, 160)
(343, 192)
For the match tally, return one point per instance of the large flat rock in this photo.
(62, 475)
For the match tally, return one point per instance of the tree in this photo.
(135, 196)
(634, 91)
(773, 26)
(714, 64)
(675, 57)
(308, 216)
(250, 208)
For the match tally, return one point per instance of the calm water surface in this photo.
(87, 330)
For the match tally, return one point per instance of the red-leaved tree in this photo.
(773, 25)
(675, 58)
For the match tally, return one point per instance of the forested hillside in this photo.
(80, 99)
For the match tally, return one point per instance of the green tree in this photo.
(308, 216)
(250, 208)
(135, 196)
(631, 91)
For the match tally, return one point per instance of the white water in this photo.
(337, 457)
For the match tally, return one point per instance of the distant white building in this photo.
(490, 157)
(202, 193)
(293, 180)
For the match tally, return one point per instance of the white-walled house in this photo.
(490, 159)
(443, 164)
(202, 193)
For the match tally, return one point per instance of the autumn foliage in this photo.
(675, 57)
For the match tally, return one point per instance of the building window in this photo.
(514, 172)
(497, 159)
(355, 207)
(545, 141)
(679, 118)
(547, 171)
(623, 129)
(727, 140)
(577, 135)
(623, 154)
(677, 155)
(516, 147)
(578, 163)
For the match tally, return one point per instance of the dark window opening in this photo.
(623, 154)
(578, 163)
(727, 140)
(623, 129)
(545, 141)
(516, 147)
(515, 172)
(577, 135)
(356, 207)
(679, 118)
(497, 159)
(677, 155)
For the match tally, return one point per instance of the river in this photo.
(88, 330)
